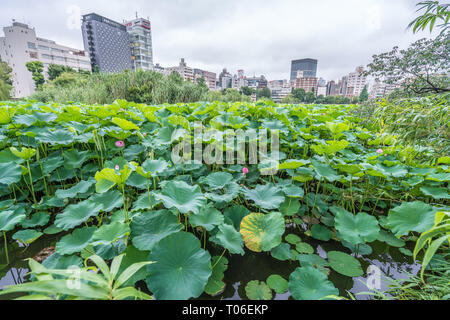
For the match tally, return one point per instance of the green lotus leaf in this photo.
(27, 236)
(56, 137)
(110, 200)
(262, 232)
(6, 156)
(292, 191)
(411, 216)
(75, 159)
(290, 207)
(150, 227)
(124, 124)
(436, 193)
(323, 170)
(50, 164)
(277, 283)
(152, 168)
(208, 218)
(10, 218)
(292, 164)
(356, 229)
(10, 173)
(183, 197)
(225, 195)
(337, 127)
(256, 290)
(76, 214)
(275, 124)
(303, 247)
(308, 283)
(320, 232)
(25, 153)
(6, 115)
(218, 180)
(182, 268)
(282, 252)
(81, 187)
(59, 262)
(293, 239)
(52, 230)
(234, 216)
(265, 196)
(143, 202)
(362, 249)
(38, 219)
(132, 256)
(215, 283)
(230, 239)
(109, 233)
(75, 242)
(344, 264)
(108, 178)
(313, 260)
(390, 239)
(332, 147)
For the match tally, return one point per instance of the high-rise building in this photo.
(257, 83)
(21, 45)
(107, 42)
(209, 77)
(308, 66)
(225, 79)
(333, 88)
(183, 70)
(355, 83)
(140, 31)
(309, 84)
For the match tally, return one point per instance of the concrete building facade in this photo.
(308, 66)
(20, 45)
(140, 31)
(107, 42)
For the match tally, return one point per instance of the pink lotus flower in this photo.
(144, 134)
(324, 114)
(120, 144)
(117, 168)
(380, 151)
(121, 110)
(245, 171)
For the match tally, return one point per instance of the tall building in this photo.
(209, 77)
(140, 31)
(333, 88)
(21, 45)
(257, 83)
(309, 84)
(355, 83)
(107, 42)
(225, 79)
(279, 89)
(308, 66)
(380, 89)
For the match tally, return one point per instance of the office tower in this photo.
(308, 66)
(140, 32)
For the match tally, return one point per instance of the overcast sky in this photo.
(259, 36)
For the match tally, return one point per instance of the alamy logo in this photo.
(245, 147)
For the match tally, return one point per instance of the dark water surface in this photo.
(251, 266)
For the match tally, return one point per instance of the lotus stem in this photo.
(220, 258)
(31, 182)
(6, 247)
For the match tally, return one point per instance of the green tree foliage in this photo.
(364, 96)
(434, 11)
(247, 91)
(310, 97)
(54, 71)
(37, 71)
(420, 69)
(263, 93)
(5, 81)
(299, 94)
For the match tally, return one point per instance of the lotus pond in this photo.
(96, 188)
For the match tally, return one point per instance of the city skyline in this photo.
(256, 42)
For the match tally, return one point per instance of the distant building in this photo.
(183, 70)
(309, 84)
(279, 89)
(308, 66)
(140, 32)
(225, 79)
(333, 88)
(380, 89)
(209, 77)
(21, 45)
(321, 91)
(257, 83)
(107, 42)
(355, 83)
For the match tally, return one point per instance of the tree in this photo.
(330, 100)
(247, 91)
(299, 94)
(420, 69)
(37, 71)
(434, 11)
(289, 99)
(5, 81)
(364, 96)
(264, 93)
(310, 97)
(55, 70)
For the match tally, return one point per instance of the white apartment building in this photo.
(140, 32)
(280, 89)
(356, 81)
(21, 45)
(380, 89)
(183, 70)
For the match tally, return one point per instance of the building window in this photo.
(33, 55)
(31, 45)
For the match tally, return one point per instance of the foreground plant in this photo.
(99, 282)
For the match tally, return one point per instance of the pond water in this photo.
(252, 266)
